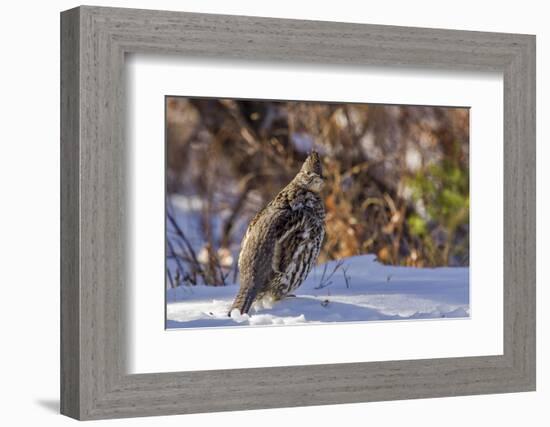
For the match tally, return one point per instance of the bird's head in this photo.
(311, 174)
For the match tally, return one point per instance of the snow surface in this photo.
(361, 289)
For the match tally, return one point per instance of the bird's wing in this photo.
(287, 242)
(257, 254)
(267, 240)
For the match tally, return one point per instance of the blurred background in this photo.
(397, 180)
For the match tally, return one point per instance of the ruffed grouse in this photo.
(283, 240)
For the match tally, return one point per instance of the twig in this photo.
(346, 277)
(322, 277)
(325, 281)
(172, 252)
(219, 267)
(182, 236)
(245, 183)
(170, 278)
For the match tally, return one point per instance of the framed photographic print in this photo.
(387, 180)
(284, 213)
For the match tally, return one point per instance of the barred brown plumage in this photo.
(283, 240)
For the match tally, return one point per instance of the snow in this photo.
(350, 290)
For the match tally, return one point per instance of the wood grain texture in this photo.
(94, 267)
(70, 292)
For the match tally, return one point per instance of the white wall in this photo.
(29, 226)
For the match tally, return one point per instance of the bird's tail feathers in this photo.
(243, 301)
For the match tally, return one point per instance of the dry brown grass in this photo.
(236, 155)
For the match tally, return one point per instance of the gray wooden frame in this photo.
(94, 41)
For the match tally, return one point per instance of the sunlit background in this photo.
(397, 180)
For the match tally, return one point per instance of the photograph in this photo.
(311, 214)
(299, 212)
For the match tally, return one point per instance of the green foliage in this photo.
(417, 225)
(442, 189)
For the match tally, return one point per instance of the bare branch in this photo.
(326, 280)
(180, 234)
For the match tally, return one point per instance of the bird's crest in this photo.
(313, 164)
